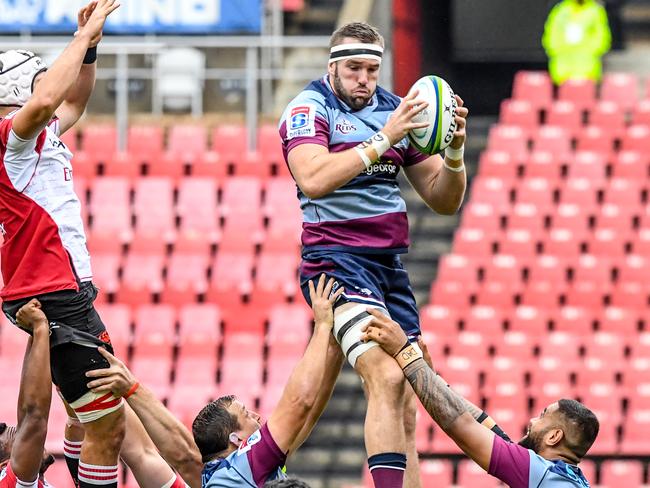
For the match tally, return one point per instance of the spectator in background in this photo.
(576, 36)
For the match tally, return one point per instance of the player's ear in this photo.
(331, 69)
(553, 437)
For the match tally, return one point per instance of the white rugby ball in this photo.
(440, 114)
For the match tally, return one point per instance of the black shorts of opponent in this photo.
(76, 330)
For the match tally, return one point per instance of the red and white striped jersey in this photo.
(44, 246)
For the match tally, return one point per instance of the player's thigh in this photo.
(400, 301)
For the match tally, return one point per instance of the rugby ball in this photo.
(440, 114)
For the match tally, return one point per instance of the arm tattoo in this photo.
(443, 404)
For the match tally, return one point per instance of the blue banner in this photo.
(137, 16)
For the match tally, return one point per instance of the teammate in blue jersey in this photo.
(345, 141)
(547, 456)
(237, 448)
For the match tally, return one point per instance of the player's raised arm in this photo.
(55, 84)
(301, 393)
(35, 395)
(446, 407)
(77, 97)
(319, 172)
(171, 437)
(441, 183)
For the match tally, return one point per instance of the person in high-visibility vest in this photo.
(576, 36)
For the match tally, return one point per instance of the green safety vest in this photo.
(575, 38)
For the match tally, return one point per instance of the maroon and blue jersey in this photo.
(258, 460)
(368, 214)
(519, 467)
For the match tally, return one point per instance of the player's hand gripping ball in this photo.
(440, 114)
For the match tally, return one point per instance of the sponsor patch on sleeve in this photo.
(301, 121)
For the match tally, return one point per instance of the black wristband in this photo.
(482, 417)
(91, 55)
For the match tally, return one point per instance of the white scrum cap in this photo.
(18, 69)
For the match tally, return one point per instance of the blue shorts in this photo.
(373, 279)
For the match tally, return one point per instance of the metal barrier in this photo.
(124, 46)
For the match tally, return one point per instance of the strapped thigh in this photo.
(347, 330)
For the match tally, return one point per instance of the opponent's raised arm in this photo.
(52, 89)
(441, 183)
(319, 172)
(170, 436)
(301, 393)
(77, 97)
(35, 394)
(445, 406)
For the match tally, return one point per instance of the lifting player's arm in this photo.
(171, 437)
(319, 172)
(441, 184)
(78, 95)
(56, 83)
(447, 408)
(301, 394)
(35, 395)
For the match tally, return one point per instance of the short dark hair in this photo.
(4, 446)
(582, 426)
(360, 31)
(286, 483)
(212, 427)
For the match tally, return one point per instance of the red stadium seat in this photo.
(194, 241)
(117, 318)
(530, 320)
(70, 138)
(572, 216)
(620, 88)
(230, 141)
(564, 242)
(231, 272)
(277, 273)
(563, 344)
(516, 344)
(573, 319)
(12, 343)
(105, 271)
(197, 204)
(497, 164)
(607, 115)
(618, 320)
(485, 216)
(470, 241)
(269, 144)
(154, 205)
(589, 294)
(637, 138)
(508, 138)
(453, 267)
(547, 268)
(555, 139)
(504, 268)
(565, 114)
(521, 113)
(609, 242)
(534, 86)
(615, 217)
(581, 191)
(636, 432)
(241, 375)
(606, 345)
(616, 473)
(110, 205)
(155, 372)
(187, 141)
(196, 372)
(633, 268)
(439, 319)
(200, 330)
(155, 334)
(536, 191)
(289, 323)
(542, 294)
(435, 472)
(582, 92)
(484, 319)
(589, 162)
(122, 164)
(519, 243)
(543, 163)
(607, 441)
(186, 278)
(185, 402)
(641, 113)
(631, 295)
(145, 142)
(630, 164)
(209, 164)
(527, 216)
(494, 191)
(497, 294)
(472, 344)
(455, 294)
(99, 141)
(141, 278)
(461, 374)
(623, 192)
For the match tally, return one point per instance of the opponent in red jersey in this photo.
(44, 253)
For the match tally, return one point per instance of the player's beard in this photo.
(355, 102)
(533, 440)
